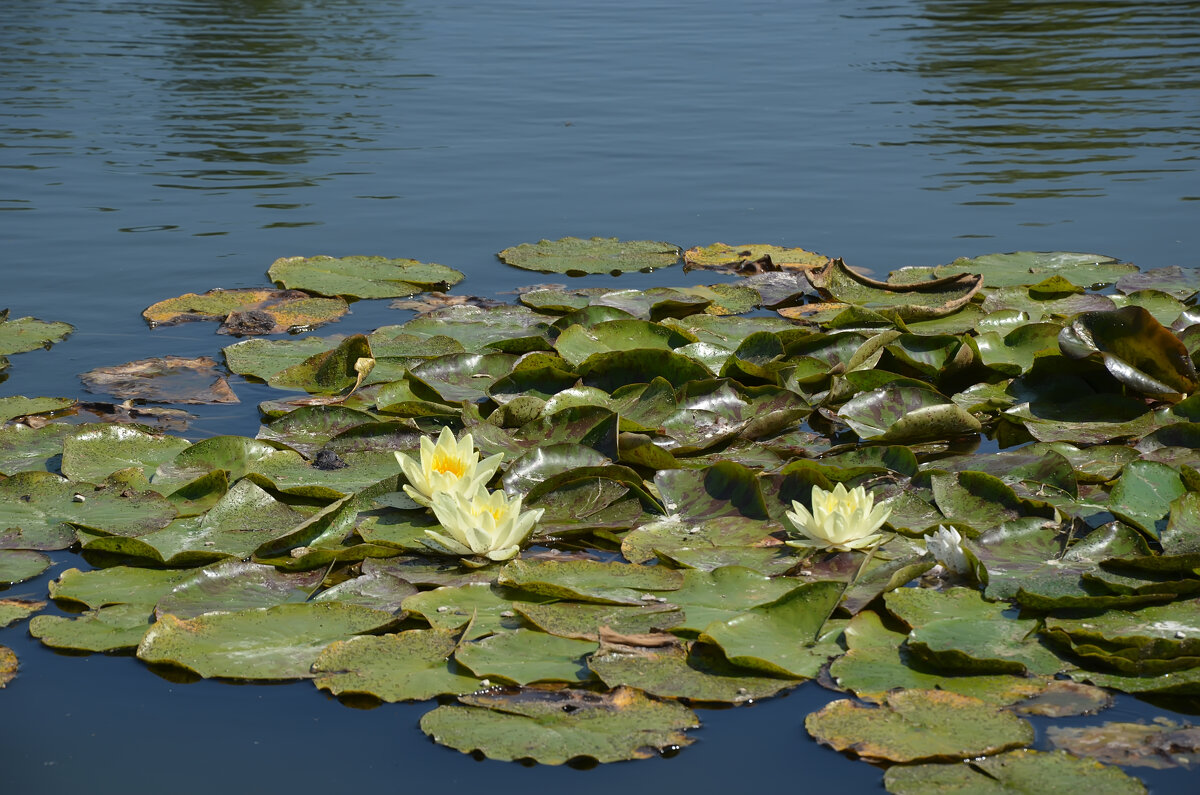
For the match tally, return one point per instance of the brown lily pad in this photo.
(428, 302)
(8, 665)
(1064, 698)
(1158, 745)
(165, 379)
(751, 258)
(250, 311)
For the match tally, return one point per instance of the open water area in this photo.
(149, 149)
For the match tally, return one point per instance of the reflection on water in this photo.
(1056, 98)
(208, 94)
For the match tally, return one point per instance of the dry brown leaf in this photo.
(166, 379)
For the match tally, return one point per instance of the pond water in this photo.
(152, 149)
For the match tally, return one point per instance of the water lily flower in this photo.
(840, 520)
(486, 523)
(945, 544)
(448, 466)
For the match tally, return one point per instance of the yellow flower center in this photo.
(448, 465)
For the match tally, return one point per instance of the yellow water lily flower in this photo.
(840, 520)
(487, 524)
(449, 466)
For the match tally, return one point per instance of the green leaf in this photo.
(1019, 771)
(919, 725)
(38, 502)
(28, 334)
(574, 256)
(104, 629)
(589, 581)
(236, 585)
(698, 674)
(583, 621)
(248, 311)
(14, 610)
(487, 608)
(1134, 347)
(525, 656)
(906, 414)
(916, 301)
(94, 452)
(18, 565)
(117, 585)
(1028, 267)
(552, 727)
(409, 666)
(1143, 494)
(280, 642)
(361, 277)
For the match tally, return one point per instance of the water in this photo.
(151, 149)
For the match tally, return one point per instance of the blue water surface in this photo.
(148, 149)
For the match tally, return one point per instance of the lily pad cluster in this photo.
(1024, 425)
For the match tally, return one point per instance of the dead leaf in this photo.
(250, 311)
(1160, 745)
(428, 302)
(610, 638)
(166, 379)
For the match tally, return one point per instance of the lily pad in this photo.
(1159, 745)
(916, 301)
(361, 277)
(18, 565)
(39, 502)
(103, 629)
(1022, 770)
(919, 725)
(166, 379)
(248, 311)
(1029, 267)
(525, 656)
(117, 585)
(584, 621)
(486, 608)
(574, 256)
(18, 406)
(700, 673)
(589, 581)
(96, 451)
(28, 334)
(906, 414)
(14, 610)
(280, 642)
(751, 258)
(409, 666)
(1135, 348)
(555, 726)
(236, 585)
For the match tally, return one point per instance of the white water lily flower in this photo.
(840, 520)
(449, 466)
(486, 523)
(945, 544)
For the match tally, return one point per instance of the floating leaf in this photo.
(379, 590)
(487, 608)
(409, 666)
(361, 277)
(751, 258)
(552, 727)
(919, 725)
(584, 621)
(574, 256)
(1143, 494)
(1063, 698)
(1183, 283)
(280, 642)
(38, 502)
(25, 449)
(1028, 267)
(19, 406)
(18, 565)
(589, 581)
(1023, 770)
(975, 646)
(1135, 348)
(166, 379)
(94, 452)
(724, 593)
(906, 414)
(104, 629)
(14, 610)
(698, 674)
(248, 311)
(525, 656)
(236, 585)
(915, 301)
(117, 585)
(1159, 745)
(28, 334)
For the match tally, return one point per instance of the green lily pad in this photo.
(1132, 641)
(248, 311)
(576, 343)
(94, 452)
(919, 725)
(25, 449)
(236, 585)
(1028, 267)
(552, 727)
(361, 277)
(878, 661)
(583, 621)
(14, 610)
(38, 502)
(589, 581)
(379, 590)
(487, 608)
(18, 565)
(700, 673)
(28, 334)
(781, 638)
(906, 414)
(103, 629)
(525, 656)
(1022, 770)
(574, 256)
(280, 642)
(21, 406)
(1143, 494)
(330, 372)
(116, 585)
(975, 646)
(745, 259)
(917, 607)
(408, 666)
(708, 597)
(984, 501)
